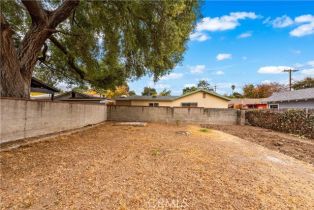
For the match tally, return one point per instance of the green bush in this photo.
(292, 121)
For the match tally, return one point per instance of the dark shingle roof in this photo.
(303, 94)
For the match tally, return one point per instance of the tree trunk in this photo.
(12, 83)
(17, 64)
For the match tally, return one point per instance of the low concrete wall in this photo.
(29, 118)
(174, 114)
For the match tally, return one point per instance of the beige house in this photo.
(199, 98)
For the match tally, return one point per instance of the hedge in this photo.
(299, 122)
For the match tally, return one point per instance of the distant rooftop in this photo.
(167, 98)
(147, 98)
(247, 101)
(303, 94)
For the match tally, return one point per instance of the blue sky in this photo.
(244, 42)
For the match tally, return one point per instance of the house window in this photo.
(189, 104)
(204, 95)
(153, 104)
(273, 106)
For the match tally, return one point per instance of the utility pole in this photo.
(290, 76)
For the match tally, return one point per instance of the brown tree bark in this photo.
(17, 64)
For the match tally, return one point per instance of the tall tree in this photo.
(165, 92)
(132, 93)
(188, 89)
(102, 43)
(262, 90)
(148, 91)
(307, 82)
(204, 84)
(233, 88)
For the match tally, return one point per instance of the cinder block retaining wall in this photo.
(175, 114)
(29, 118)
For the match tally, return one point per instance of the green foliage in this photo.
(204, 84)
(132, 93)
(235, 95)
(188, 90)
(292, 121)
(148, 91)
(112, 41)
(165, 92)
(308, 82)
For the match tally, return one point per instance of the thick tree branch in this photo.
(35, 10)
(63, 12)
(3, 23)
(70, 58)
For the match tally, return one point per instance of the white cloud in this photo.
(310, 63)
(198, 69)
(308, 72)
(273, 69)
(219, 73)
(306, 27)
(245, 35)
(199, 36)
(304, 19)
(226, 22)
(280, 22)
(223, 56)
(244, 58)
(305, 24)
(172, 76)
(190, 85)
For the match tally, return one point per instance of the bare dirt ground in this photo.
(123, 167)
(294, 146)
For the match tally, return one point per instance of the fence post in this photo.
(241, 117)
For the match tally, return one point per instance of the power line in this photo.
(290, 76)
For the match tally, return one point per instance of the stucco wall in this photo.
(209, 101)
(174, 114)
(29, 118)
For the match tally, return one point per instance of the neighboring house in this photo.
(199, 98)
(74, 96)
(47, 91)
(247, 103)
(301, 99)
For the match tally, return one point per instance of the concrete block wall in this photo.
(29, 118)
(174, 114)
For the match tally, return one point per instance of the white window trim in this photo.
(273, 108)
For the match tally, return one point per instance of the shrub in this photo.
(292, 121)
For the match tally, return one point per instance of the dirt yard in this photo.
(292, 145)
(153, 167)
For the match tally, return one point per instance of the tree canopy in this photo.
(148, 91)
(261, 90)
(308, 82)
(103, 43)
(165, 92)
(204, 84)
(188, 89)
